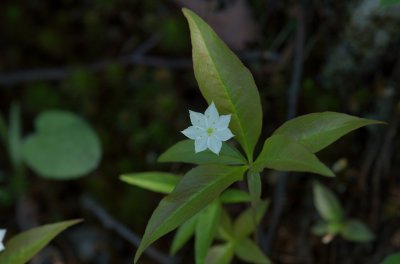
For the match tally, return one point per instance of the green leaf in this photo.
(248, 251)
(225, 228)
(206, 228)
(387, 3)
(220, 254)
(184, 233)
(327, 204)
(355, 230)
(392, 259)
(154, 181)
(183, 151)
(21, 248)
(14, 135)
(224, 79)
(198, 188)
(63, 147)
(235, 196)
(282, 153)
(317, 130)
(244, 225)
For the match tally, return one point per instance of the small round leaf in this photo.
(63, 147)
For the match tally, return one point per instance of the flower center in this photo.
(210, 130)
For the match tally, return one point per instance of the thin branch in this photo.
(138, 57)
(111, 223)
(280, 191)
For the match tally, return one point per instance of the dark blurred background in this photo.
(125, 66)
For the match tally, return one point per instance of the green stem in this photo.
(254, 185)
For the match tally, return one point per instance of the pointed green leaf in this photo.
(220, 254)
(327, 204)
(154, 181)
(206, 228)
(21, 248)
(63, 147)
(225, 228)
(248, 251)
(317, 130)
(184, 233)
(235, 196)
(224, 79)
(183, 151)
(199, 187)
(244, 225)
(392, 259)
(356, 231)
(282, 153)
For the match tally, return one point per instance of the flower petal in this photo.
(2, 234)
(193, 132)
(224, 134)
(200, 144)
(212, 115)
(197, 119)
(223, 122)
(214, 144)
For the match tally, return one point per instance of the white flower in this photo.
(208, 130)
(2, 234)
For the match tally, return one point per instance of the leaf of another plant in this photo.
(387, 3)
(22, 247)
(224, 79)
(284, 154)
(220, 254)
(154, 181)
(244, 225)
(235, 196)
(184, 233)
(392, 259)
(327, 204)
(357, 231)
(196, 190)
(63, 147)
(317, 130)
(183, 151)
(248, 251)
(206, 227)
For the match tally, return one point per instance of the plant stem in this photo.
(255, 189)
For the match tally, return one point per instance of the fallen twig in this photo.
(138, 57)
(108, 221)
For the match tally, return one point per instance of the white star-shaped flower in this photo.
(209, 129)
(2, 234)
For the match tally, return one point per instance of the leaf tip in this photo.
(123, 177)
(186, 12)
(330, 173)
(325, 171)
